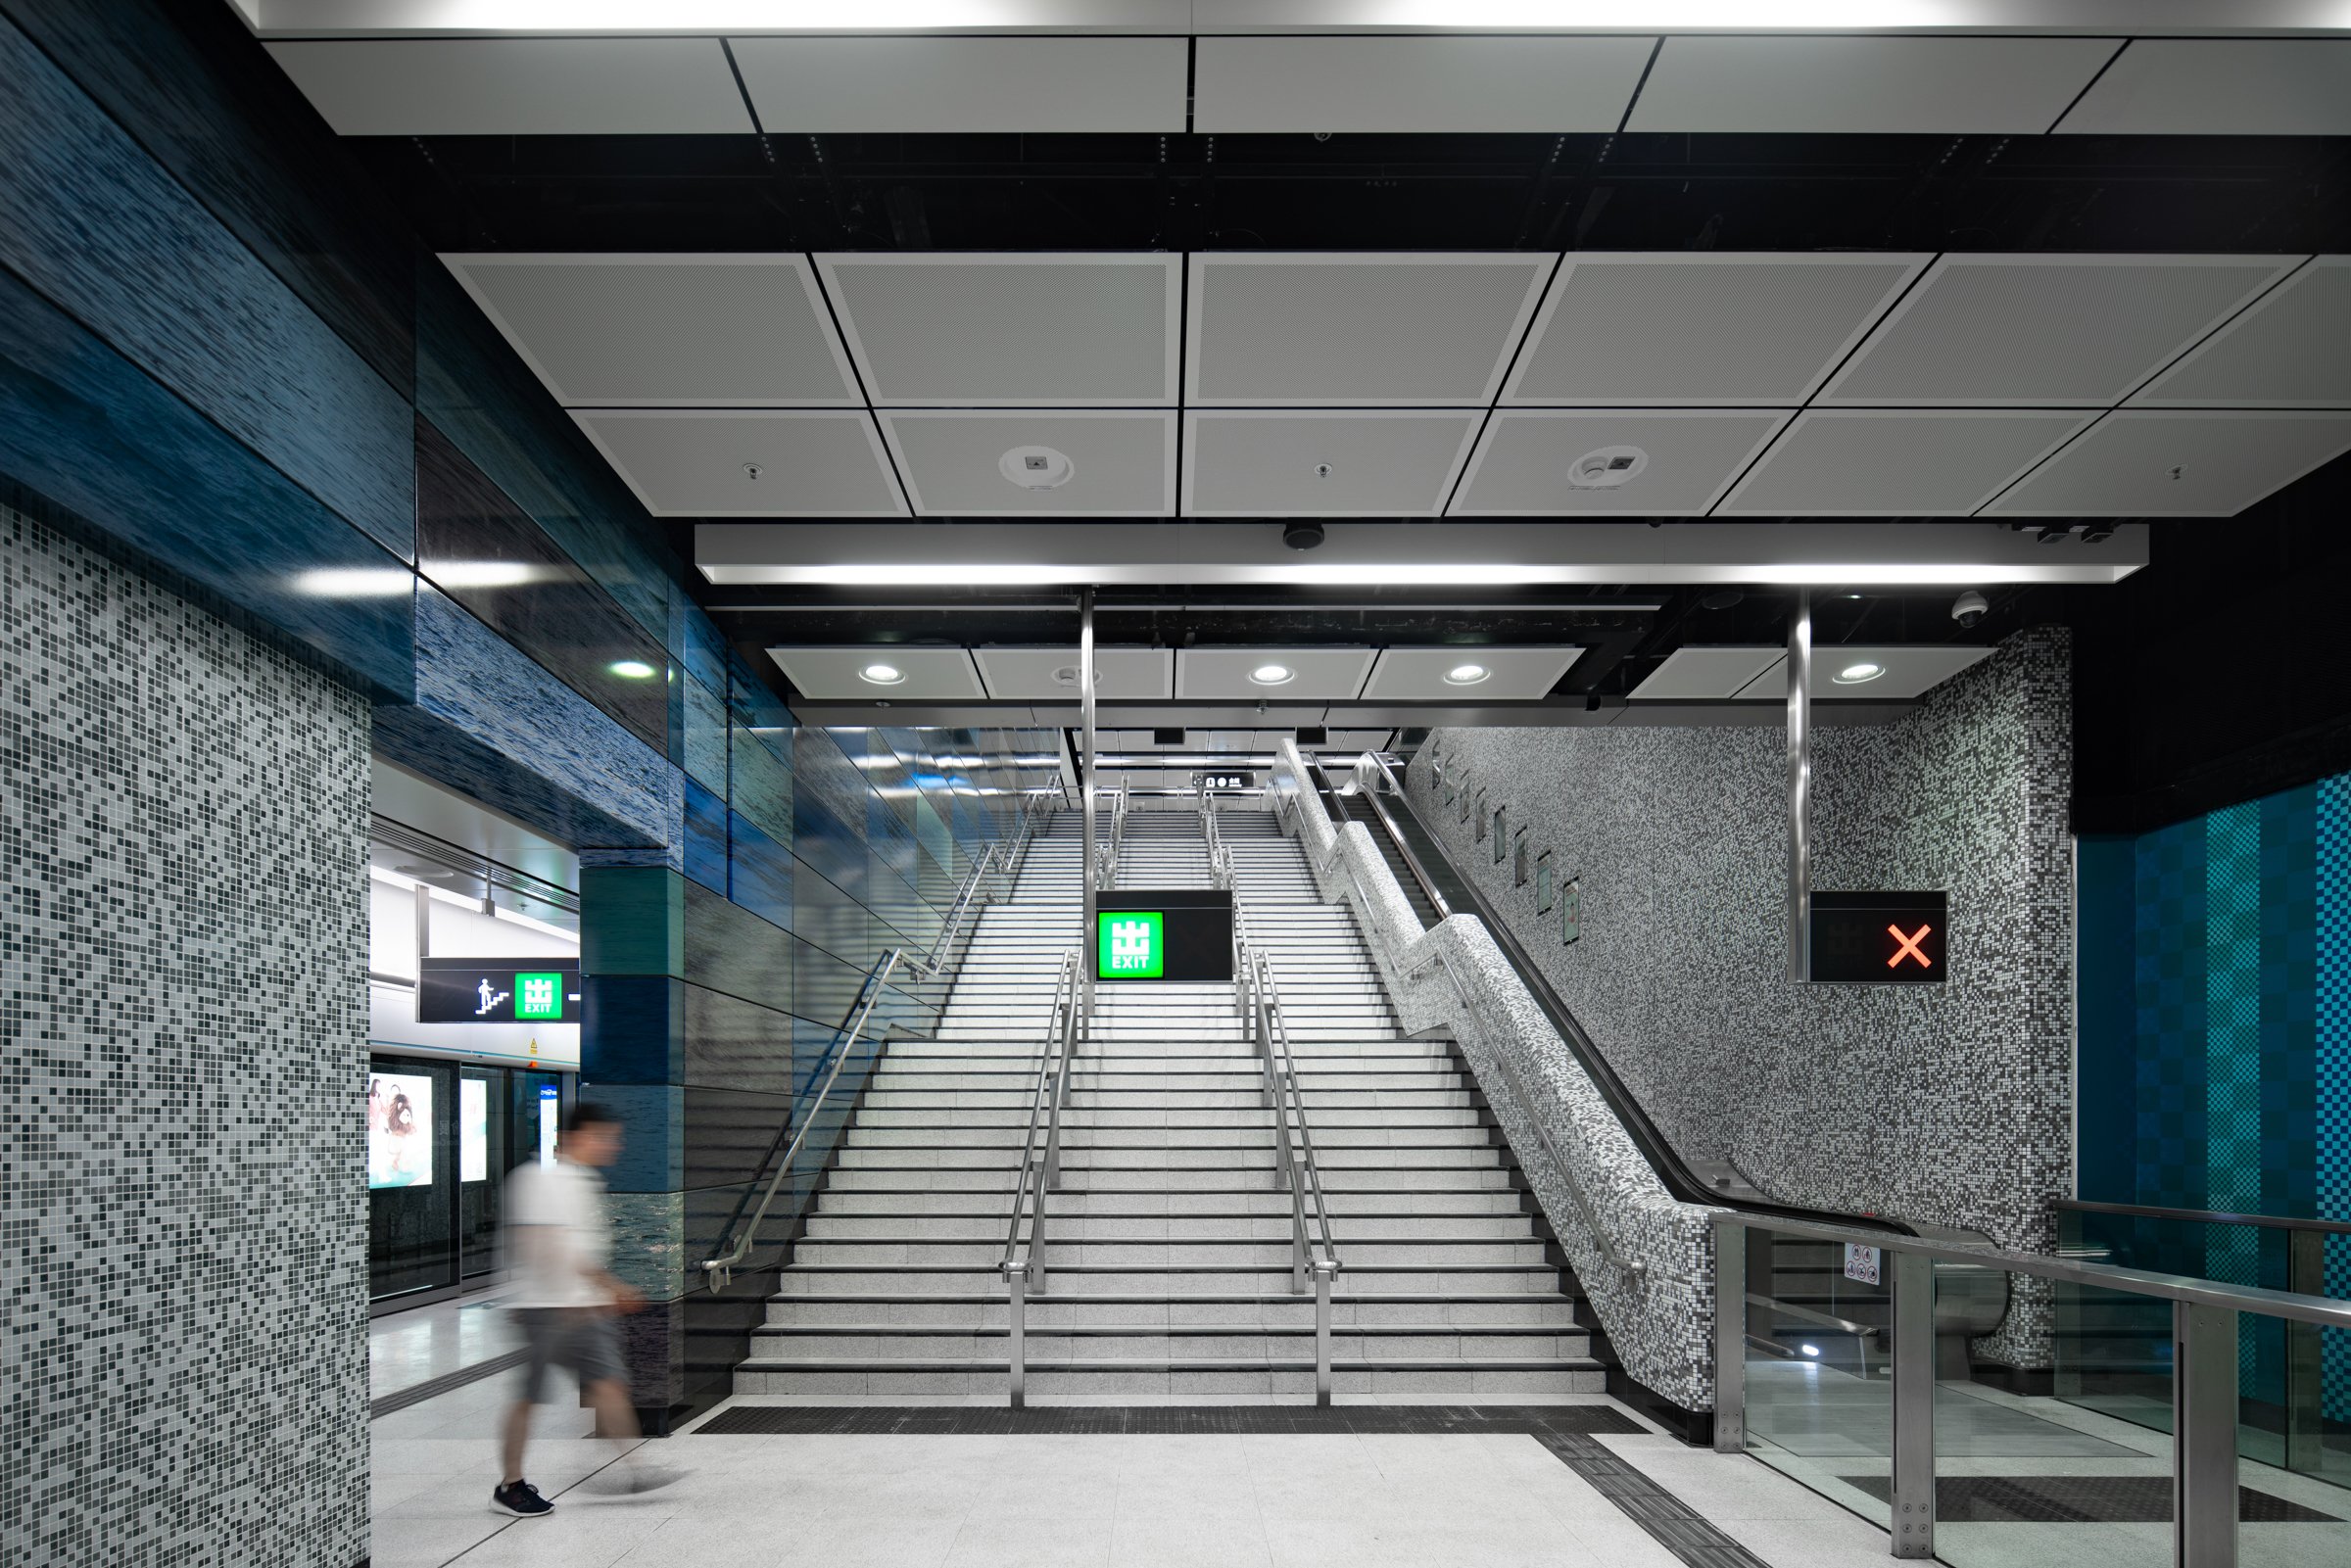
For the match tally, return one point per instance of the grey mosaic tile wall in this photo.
(183, 1047)
(1951, 1106)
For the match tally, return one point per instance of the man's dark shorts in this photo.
(581, 1339)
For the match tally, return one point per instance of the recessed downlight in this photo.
(1856, 674)
(633, 669)
(881, 673)
(1466, 673)
(1272, 674)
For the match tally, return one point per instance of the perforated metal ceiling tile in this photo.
(2165, 462)
(518, 86)
(1120, 463)
(1502, 674)
(1336, 330)
(689, 462)
(1035, 675)
(1699, 673)
(2050, 330)
(834, 674)
(964, 86)
(2291, 348)
(1848, 86)
(1315, 674)
(1897, 462)
(1865, 672)
(664, 330)
(1367, 462)
(1542, 463)
(1300, 86)
(1702, 329)
(990, 330)
(2219, 87)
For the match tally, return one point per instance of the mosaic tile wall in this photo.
(182, 938)
(1950, 1104)
(2216, 1042)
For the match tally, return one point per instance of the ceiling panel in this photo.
(1300, 86)
(1120, 463)
(1902, 673)
(1329, 330)
(1897, 462)
(1700, 673)
(1956, 86)
(2221, 87)
(1534, 463)
(1317, 675)
(1368, 463)
(518, 86)
(686, 462)
(664, 330)
(2291, 349)
(995, 330)
(1035, 675)
(1686, 327)
(964, 86)
(2071, 330)
(832, 674)
(2225, 460)
(1511, 674)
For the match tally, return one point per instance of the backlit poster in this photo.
(474, 1130)
(550, 1111)
(399, 1129)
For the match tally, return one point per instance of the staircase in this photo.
(1167, 1253)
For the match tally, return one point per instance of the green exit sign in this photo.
(1130, 945)
(537, 996)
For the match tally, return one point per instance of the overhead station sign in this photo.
(1878, 938)
(497, 990)
(1176, 933)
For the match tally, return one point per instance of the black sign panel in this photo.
(1878, 938)
(1227, 781)
(499, 990)
(1177, 934)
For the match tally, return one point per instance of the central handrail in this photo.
(965, 896)
(1219, 858)
(1106, 873)
(1019, 1266)
(720, 1269)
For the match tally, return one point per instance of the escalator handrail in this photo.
(1678, 1178)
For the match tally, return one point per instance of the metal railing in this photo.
(1040, 806)
(1105, 871)
(1313, 1252)
(719, 1268)
(2202, 1362)
(1219, 858)
(1023, 1261)
(1375, 777)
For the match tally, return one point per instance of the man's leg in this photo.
(517, 1432)
(615, 1416)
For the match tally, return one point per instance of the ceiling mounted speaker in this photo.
(1313, 736)
(1608, 467)
(1167, 738)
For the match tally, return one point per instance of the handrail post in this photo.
(2304, 1372)
(1730, 1334)
(2204, 1413)
(1014, 1275)
(1911, 1513)
(1323, 1270)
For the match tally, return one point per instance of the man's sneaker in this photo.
(627, 1479)
(521, 1500)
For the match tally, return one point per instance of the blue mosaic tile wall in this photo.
(2216, 1040)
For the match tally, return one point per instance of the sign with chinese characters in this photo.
(1877, 938)
(497, 990)
(1173, 934)
(1226, 780)
(1864, 1263)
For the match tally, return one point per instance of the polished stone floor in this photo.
(406, 1350)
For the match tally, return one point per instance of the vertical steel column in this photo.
(2305, 1275)
(1015, 1274)
(424, 935)
(1085, 689)
(2203, 1435)
(1913, 1515)
(1323, 1268)
(1799, 787)
(1730, 1334)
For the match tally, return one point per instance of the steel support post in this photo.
(1323, 1268)
(1085, 690)
(1799, 787)
(1913, 1515)
(1730, 1335)
(2203, 1435)
(2305, 1275)
(1014, 1275)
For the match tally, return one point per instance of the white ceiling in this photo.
(1758, 674)
(1702, 673)
(1318, 675)
(2180, 462)
(1034, 675)
(1537, 78)
(1512, 674)
(930, 674)
(1412, 384)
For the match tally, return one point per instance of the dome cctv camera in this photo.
(1302, 536)
(1970, 608)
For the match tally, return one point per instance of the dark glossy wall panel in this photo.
(482, 551)
(701, 734)
(196, 92)
(631, 920)
(731, 949)
(93, 433)
(88, 219)
(705, 837)
(632, 1029)
(759, 779)
(729, 1134)
(760, 873)
(734, 1044)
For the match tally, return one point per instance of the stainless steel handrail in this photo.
(1219, 858)
(719, 1270)
(2203, 1216)
(1020, 1266)
(1392, 831)
(1042, 803)
(943, 943)
(1106, 873)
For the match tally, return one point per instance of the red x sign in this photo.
(1909, 947)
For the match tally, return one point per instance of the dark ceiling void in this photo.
(1650, 191)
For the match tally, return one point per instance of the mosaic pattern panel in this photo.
(182, 1024)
